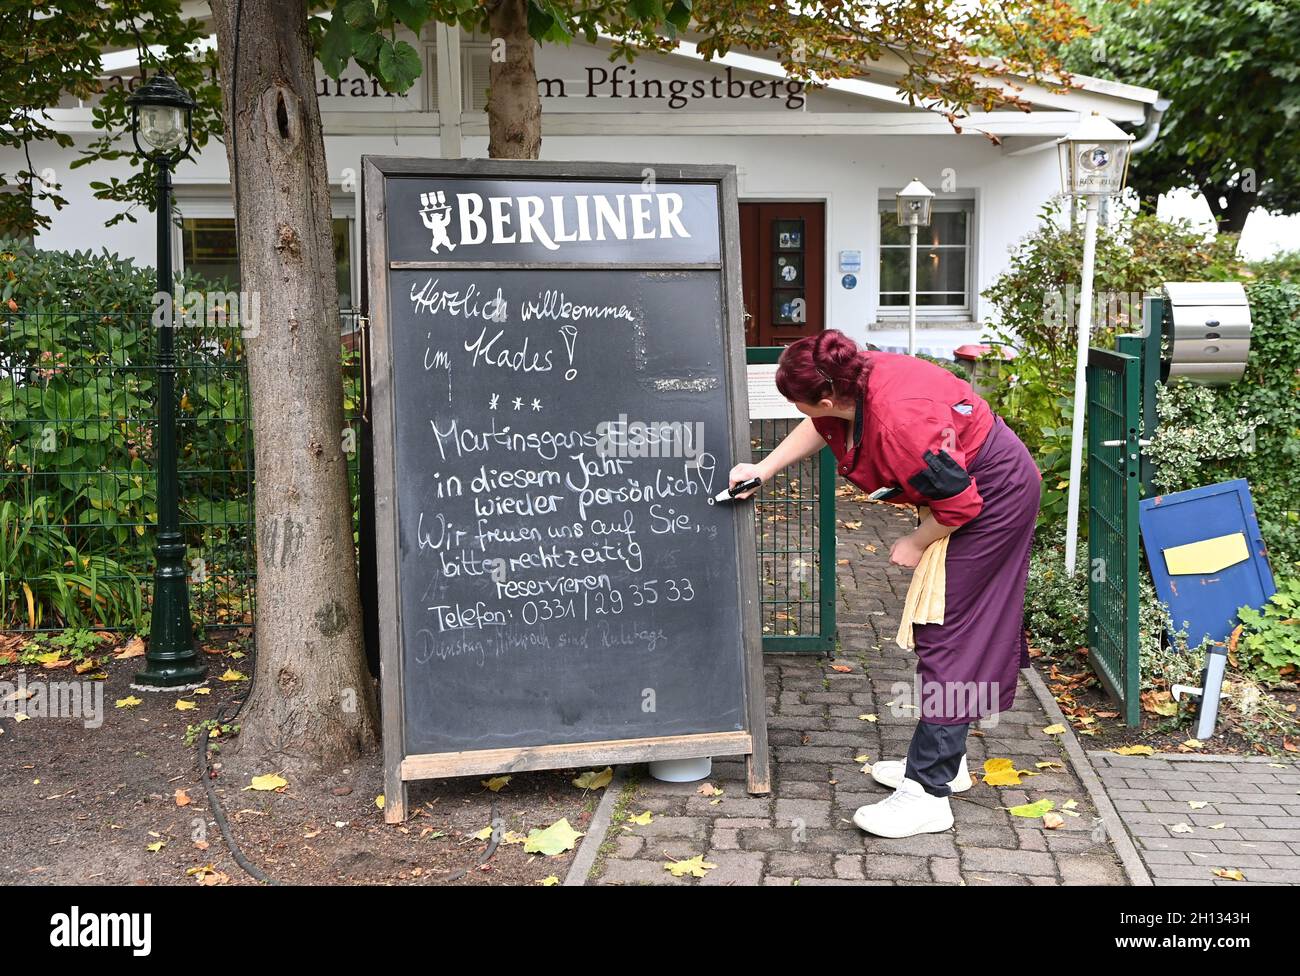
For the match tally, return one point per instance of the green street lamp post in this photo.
(161, 116)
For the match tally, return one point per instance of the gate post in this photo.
(808, 535)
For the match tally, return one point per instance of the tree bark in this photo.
(1230, 216)
(312, 704)
(514, 108)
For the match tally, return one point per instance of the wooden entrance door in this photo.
(782, 269)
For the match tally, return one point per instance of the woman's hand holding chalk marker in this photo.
(729, 494)
(743, 481)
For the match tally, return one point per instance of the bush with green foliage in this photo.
(1283, 266)
(1269, 645)
(1056, 605)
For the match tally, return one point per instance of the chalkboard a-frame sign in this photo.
(556, 391)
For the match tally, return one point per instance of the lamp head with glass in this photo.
(161, 114)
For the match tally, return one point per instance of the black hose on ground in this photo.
(219, 813)
(497, 831)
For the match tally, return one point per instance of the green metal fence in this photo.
(77, 482)
(77, 505)
(1114, 456)
(795, 519)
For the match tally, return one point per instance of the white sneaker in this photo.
(890, 772)
(908, 811)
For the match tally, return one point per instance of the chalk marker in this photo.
(729, 494)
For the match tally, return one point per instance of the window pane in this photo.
(890, 232)
(210, 249)
(937, 269)
(788, 308)
(343, 259)
(946, 227)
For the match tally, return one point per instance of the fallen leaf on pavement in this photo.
(1032, 810)
(695, 866)
(1001, 772)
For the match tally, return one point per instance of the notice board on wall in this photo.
(556, 392)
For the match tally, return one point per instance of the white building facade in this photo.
(818, 171)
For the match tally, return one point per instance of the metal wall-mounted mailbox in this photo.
(1206, 331)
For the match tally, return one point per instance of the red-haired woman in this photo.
(894, 421)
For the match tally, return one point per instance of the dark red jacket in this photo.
(917, 428)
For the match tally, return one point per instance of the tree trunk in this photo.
(312, 705)
(1230, 214)
(514, 109)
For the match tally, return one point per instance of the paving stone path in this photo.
(1193, 815)
(802, 833)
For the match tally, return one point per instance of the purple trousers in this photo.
(968, 665)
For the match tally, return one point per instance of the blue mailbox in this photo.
(1207, 557)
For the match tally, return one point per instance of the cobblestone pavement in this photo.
(802, 832)
(1193, 815)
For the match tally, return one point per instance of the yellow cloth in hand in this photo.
(925, 597)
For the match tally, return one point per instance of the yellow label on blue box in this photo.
(1207, 556)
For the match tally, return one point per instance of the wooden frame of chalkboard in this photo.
(386, 177)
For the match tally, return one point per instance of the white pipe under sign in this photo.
(1080, 385)
(911, 297)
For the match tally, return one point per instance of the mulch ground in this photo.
(1093, 714)
(85, 805)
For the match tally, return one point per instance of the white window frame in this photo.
(947, 313)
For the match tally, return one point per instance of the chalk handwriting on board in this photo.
(548, 522)
(559, 404)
